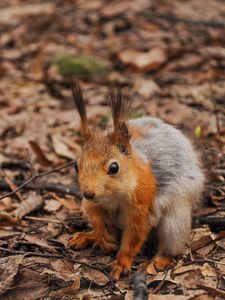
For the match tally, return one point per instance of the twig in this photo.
(72, 190)
(35, 176)
(10, 184)
(160, 285)
(203, 260)
(212, 291)
(46, 220)
(155, 16)
(140, 287)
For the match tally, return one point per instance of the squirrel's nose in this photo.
(89, 195)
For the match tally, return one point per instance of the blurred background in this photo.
(167, 55)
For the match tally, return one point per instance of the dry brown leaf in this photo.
(7, 204)
(213, 291)
(70, 203)
(167, 297)
(35, 240)
(8, 220)
(191, 279)
(203, 297)
(143, 61)
(40, 156)
(207, 270)
(12, 186)
(115, 9)
(10, 15)
(96, 277)
(201, 243)
(9, 267)
(185, 269)
(63, 277)
(204, 251)
(32, 203)
(151, 269)
(147, 87)
(52, 205)
(161, 276)
(61, 148)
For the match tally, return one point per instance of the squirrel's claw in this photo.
(120, 267)
(80, 240)
(106, 246)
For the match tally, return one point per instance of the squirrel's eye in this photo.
(113, 168)
(76, 166)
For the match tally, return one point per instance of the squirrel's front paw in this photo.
(120, 267)
(80, 240)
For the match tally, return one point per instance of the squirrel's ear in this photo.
(120, 135)
(79, 101)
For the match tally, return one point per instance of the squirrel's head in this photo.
(105, 166)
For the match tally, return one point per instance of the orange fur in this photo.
(99, 236)
(136, 133)
(138, 224)
(162, 262)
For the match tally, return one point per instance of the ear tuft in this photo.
(78, 97)
(120, 135)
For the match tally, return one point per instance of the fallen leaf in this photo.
(190, 279)
(35, 240)
(185, 269)
(96, 277)
(32, 203)
(40, 156)
(151, 269)
(204, 251)
(207, 270)
(70, 203)
(167, 297)
(7, 220)
(205, 240)
(61, 148)
(115, 9)
(143, 61)
(10, 15)
(146, 87)
(159, 277)
(52, 205)
(9, 267)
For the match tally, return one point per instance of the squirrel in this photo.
(142, 174)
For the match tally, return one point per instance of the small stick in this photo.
(35, 176)
(42, 220)
(160, 285)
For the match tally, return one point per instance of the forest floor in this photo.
(169, 58)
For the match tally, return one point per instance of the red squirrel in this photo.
(142, 174)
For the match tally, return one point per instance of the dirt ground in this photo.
(169, 58)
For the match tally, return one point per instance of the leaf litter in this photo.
(168, 67)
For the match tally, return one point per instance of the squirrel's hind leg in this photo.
(174, 230)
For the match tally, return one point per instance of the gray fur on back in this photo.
(172, 159)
